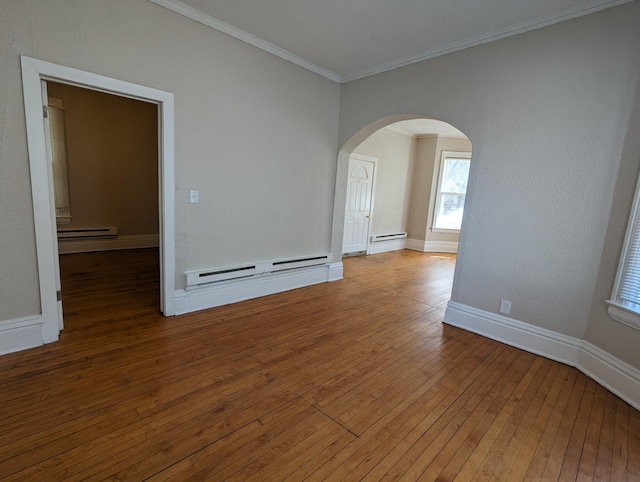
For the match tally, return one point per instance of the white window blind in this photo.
(624, 304)
(630, 287)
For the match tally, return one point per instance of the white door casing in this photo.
(359, 205)
(49, 153)
(35, 71)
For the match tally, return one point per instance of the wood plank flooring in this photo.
(352, 380)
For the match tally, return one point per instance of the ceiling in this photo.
(348, 39)
(426, 127)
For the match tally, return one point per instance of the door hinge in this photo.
(45, 111)
(58, 295)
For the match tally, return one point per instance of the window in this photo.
(58, 140)
(624, 304)
(452, 189)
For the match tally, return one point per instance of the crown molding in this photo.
(516, 29)
(190, 12)
(393, 128)
(183, 9)
(430, 135)
(612, 373)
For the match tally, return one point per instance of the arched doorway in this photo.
(434, 155)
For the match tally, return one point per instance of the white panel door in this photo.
(358, 208)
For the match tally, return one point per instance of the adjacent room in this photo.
(299, 241)
(416, 174)
(105, 179)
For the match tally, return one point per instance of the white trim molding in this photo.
(21, 334)
(386, 246)
(212, 22)
(335, 271)
(522, 27)
(194, 14)
(516, 333)
(131, 241)
(623, 315)
(613, 374)
(623, 305)
(233, 291)
(432, 246)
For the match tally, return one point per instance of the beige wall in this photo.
(407, 180)
(421, 182)
(425, 186)
(547, 112)
(443, 144)
(112, 155)
(255, 134)
(395, 153)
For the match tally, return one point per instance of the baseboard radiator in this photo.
(67, 234)
(387, 237)
(198, 278)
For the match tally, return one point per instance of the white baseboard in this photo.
(226, 292)
(431, 246)
(335, 271)
(132, 241)
(20, 334)
(386, 246)
(413, 244)
(612, 373)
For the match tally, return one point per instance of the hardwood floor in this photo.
(351, 380)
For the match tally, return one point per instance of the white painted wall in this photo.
(547, 113)
(395, 153)
(254, 133)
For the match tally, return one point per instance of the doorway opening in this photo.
(420, 181)
(105, 180)
(359, 205)
(34, 73)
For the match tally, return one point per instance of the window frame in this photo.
(59, 158)
(443, 159)
(616, 306)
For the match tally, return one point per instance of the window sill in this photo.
(624, 315)
(443, 230)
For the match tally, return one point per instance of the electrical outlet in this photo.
(194, 196)
(505, 307)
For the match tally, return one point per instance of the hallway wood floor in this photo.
(351, 380)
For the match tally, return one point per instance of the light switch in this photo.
(194, 196)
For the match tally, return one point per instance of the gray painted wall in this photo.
(547, 113)
(555, 154)
(255, 134)
(395, 153)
